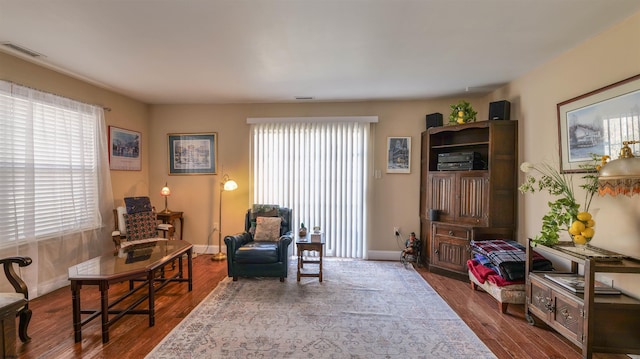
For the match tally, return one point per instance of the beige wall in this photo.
(610, 57)
(395, 196)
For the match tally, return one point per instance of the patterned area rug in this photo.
(362, 309)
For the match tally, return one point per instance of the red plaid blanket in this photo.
(509, 257)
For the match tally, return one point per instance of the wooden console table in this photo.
(596, 323)
(145, 263)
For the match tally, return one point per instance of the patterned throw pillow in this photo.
(140, 225)
(267, 229)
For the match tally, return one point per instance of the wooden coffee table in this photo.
(142, 266)
(305, 244)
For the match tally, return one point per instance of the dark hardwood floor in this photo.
(507, 335)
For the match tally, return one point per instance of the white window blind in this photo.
(320, 171)
(48, 165)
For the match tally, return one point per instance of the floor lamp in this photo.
(226, 185)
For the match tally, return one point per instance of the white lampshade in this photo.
(230, 185)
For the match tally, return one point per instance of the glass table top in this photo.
(133, 259)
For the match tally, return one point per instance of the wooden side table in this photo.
(305, 244)
(170, 218)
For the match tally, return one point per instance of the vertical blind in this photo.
(48, 165)
(320, 171)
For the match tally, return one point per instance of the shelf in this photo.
(467, 144)
(603, 260)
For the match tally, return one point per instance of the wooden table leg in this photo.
(320, 272)
(189, 268)
(75, 304)
(104, 307)
(152, 295)
(299, 262)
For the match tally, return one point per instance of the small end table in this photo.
(170, 218)
(306, 244)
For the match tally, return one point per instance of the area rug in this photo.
(362, 309)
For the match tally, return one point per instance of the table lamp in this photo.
(165, 192)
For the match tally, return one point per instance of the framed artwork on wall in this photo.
(124, 149)
(193, 153)
(398, 154)
(597, 123)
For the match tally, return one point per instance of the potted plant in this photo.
(565, 213)
(462, 112)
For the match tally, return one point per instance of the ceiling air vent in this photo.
(22, 49)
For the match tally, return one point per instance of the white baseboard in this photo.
(205, 249)
(384, 255)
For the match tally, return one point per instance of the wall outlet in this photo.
(396, 231)
(216, 225)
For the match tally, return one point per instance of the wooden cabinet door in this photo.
(540, 301)
(450, 247)
(568, 316)
(561, 311)
(442, 189)
(472, 204)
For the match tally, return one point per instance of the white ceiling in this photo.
(239, 51)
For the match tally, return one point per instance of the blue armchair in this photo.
(251, 254)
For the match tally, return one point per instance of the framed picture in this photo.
(398, 154)
(193, 153)
(124, 149)
(598, 122)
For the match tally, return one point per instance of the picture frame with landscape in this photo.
(192, 153)
(597, 123)
(124, 149)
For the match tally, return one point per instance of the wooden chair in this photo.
(14, 304)
(136, 223)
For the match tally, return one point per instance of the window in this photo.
(317, 167)
(49, 148)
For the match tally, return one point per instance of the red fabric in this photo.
(484, 274)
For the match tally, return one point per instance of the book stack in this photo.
(575, 283)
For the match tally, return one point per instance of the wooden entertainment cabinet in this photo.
(605, 323)
(471, 204)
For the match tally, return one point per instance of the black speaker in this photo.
(434, 120)
(499, 110)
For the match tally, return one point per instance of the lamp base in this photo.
(165, 211)
(219, 257)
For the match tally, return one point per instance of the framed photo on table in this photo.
(597, 123)
(193, 153)
(398, 154)
(124, 149)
